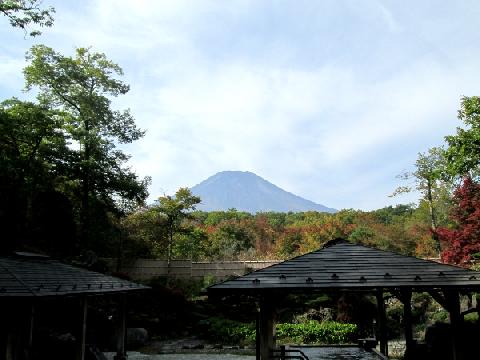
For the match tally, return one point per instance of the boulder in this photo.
(136, 337)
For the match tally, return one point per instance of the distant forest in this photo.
(234, 235)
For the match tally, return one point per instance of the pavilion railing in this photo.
(284, 354)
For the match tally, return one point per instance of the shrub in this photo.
(311, 332)
(190, 288)
(314, 332)
(472, 317)
(226, 331)
(440, 316)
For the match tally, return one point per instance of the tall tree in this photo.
(176, 209)
(146, 233)
(81, 87)
(24, 13)
(33, 151)
(427, 179)
(463, 151)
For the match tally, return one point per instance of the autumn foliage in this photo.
(463, 239)
(237, 235)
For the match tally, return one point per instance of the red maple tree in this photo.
(462, 241)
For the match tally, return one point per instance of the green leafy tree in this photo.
(25, 13)
(428, 180)
(144, 234)
(33, 154)
(463, 151)
(176, 209)
(81, 88)
(288, 243)
(191, 244)
(361, 235)
(233, 238)
(216, 217)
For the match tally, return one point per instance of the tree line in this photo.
(237, 235)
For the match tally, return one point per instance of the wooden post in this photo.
(406, 298)
(257, 336)
(10, 322)
(456, 320)
(83, 330)
(382, 323)
(122, 329)
(267, 326)
(16, 330)
(10, 346)
(31, 326)
(29, 331)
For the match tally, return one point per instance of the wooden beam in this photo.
(257, 336)
(267, 326)
(83, 329)
(439, 298)
(122, 329)
(9, 326)
(10, 346)
(382, 323)
(30, 329)
(469, 311)
(453, 300)
(406, 298)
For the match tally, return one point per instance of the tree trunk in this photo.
(85, 211)
(169, 247)
(433, 218)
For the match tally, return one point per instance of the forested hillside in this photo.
(231, 235)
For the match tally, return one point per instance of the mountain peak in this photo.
(246, 191)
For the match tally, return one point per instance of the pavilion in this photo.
(30, 280)
(340, 266)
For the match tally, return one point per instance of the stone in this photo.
(136, 337)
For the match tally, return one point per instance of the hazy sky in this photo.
(329, 100)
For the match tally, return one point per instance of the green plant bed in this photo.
(311, 332)
(314, 332)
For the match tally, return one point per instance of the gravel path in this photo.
(139, 356)
(323, 353)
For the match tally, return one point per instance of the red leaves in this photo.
(463, 240)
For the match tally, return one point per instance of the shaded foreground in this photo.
(139, 356)
(338, 353)
(314, 353)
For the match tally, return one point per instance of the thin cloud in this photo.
(327, 100)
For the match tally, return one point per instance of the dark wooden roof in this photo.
(344, 266)
(27, 276)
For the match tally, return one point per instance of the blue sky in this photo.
(329, 100)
